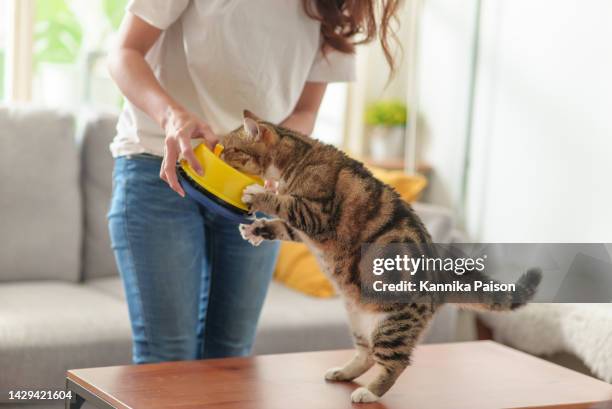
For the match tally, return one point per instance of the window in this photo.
(3, 34)
(71, 38)
(330, 121)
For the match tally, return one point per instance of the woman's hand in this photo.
(138, 83)
(181, 126)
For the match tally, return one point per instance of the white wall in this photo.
(444, 63)
(542, 141)
(541, 154)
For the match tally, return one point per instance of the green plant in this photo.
(57, 33)
(114, 10)
(386, 113)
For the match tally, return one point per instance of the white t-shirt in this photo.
(219, 57)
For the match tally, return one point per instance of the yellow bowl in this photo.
(220, 179)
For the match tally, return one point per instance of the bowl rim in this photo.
(228, 171)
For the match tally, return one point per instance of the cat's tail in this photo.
(523, 292)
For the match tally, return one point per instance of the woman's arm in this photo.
(133, 75)
(303, 117)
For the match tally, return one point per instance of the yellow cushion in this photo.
(409, 187)
(297, 268)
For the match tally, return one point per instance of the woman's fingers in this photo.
(162, 173)
(169, 166)
(182, 126)
(210, 139)
(187, 153)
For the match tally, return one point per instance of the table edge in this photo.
(95, 391)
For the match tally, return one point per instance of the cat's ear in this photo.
(251, 129)
(248, 114)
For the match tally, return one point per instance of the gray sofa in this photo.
(61, 300)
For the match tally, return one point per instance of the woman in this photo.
(188, 68)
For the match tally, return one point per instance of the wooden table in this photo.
(469, 375)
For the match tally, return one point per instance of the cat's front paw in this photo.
(256, 232)
(363, 395)
(249, 193)
(247, 231)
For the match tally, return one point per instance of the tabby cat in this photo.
(333, 204)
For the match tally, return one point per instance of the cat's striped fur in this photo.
(332, 203)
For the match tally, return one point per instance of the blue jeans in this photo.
(194, 287)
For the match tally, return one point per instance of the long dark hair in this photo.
(347, 23)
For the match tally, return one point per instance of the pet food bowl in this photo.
(220, 188)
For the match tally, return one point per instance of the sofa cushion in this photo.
(97, 168)
(111, 286)
(294, 322)
(49, 327)
(289, 322)
(40, 199)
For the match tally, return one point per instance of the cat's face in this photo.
(248, 147)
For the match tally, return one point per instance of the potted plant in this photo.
(386, 121)
(70, 40)
(57, 41)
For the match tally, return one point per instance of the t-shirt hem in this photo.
(122, 148)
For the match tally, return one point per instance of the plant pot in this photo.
(58, 85)
(387, 142)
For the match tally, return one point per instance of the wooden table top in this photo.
(469, 375)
